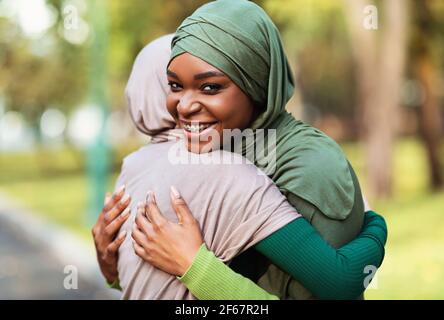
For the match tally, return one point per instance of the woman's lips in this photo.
(197, 129)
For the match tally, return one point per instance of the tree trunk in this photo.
(379, 67)
(429, 115)
(429, 120)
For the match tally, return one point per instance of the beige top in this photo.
(235, 204)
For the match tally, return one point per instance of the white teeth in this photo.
(195, 127)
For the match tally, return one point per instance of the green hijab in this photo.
(239, 38)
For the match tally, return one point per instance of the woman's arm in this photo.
(230, 285)
(174, 255)
(299, 250)
(165, 244)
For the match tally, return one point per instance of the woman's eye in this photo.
(211, 88)
(174, 86)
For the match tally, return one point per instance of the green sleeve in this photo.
(207, 272)
(299, 250)
(114, 285)
(328, 273)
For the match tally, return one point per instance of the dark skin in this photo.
(152, 228)
(202, 94)
(148, 235)
(105, 232)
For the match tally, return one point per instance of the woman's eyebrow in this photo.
(199, 76)
(208, 74)
(172, 74)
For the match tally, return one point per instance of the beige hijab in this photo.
(235, 204)
(147, 88)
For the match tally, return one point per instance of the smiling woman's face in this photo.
(204, 101)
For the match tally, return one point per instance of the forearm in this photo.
(299, 250)
(208, 278)
(327, 272)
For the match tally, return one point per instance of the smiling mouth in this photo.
(197, 127)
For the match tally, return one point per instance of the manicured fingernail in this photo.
(122, 234)
(121, 189)
(108, 197)
(125, 212)
(124, 199)
(150, 197)
(175, 192)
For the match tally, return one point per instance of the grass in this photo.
(414, 262)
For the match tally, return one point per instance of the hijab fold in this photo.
(147, 89)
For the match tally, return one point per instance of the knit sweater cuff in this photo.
(208, 278)
(114, 285)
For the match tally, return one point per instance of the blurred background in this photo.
(368, 73)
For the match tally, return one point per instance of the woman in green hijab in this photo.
(239, 39)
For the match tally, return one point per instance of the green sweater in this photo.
(299, 250)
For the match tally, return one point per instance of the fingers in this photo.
(141, 208)
(139, 237)
(108, 196)
(117, 209)
(114, 246)
(114, 199)
(114, 226)
(106, 200)
(144, 225)
(138, 249)
(179, 205)
(153, 213)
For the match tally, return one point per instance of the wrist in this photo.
(110, 276)
(189, 260)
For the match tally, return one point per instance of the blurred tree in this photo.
(426, 38)
(52, 71)
(379, 56)
(133, 25)
(315, 37)
(38, 73)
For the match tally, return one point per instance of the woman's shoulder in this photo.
(317, 170)
(234, 165)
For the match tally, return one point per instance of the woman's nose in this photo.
(188, 106)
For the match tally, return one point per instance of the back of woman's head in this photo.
(147, 88)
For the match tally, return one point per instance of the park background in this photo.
(368, 73)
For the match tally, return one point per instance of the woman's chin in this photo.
(202, 147)
(203, 142)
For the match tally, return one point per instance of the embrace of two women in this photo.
(237, 229)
